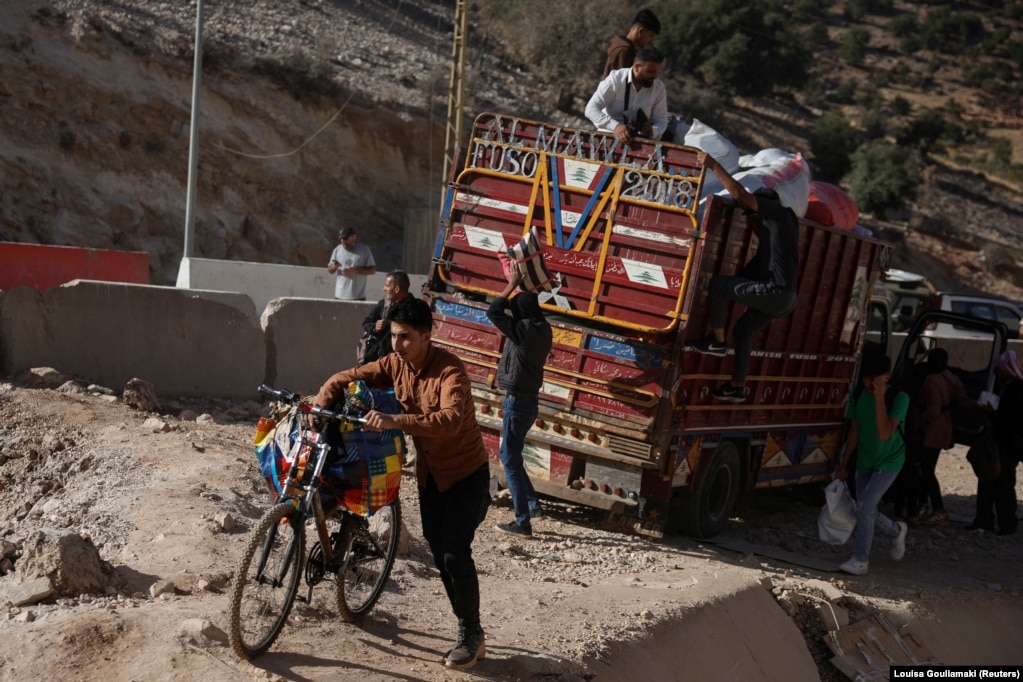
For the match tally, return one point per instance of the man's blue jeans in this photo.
(519, 414)
(870, 488)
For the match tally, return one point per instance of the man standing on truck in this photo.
(452, 467)
(632, 102)
(766, 285)
(876, 438)
(622, 52)
(520, 375)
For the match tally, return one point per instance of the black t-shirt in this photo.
(777, 259)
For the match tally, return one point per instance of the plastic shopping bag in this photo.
(838, 516)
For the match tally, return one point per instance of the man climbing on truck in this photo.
(766, 285)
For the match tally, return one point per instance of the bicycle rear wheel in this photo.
(371, 545)
(267, 581)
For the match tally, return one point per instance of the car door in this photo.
(971, 359)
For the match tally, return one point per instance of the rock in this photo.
(200, 627)
(162, 587)
(205, 419)
(25, 617)
(224, 520)
(156, 425)
(71, 388)
(187, 415)
(70, 562)
(30, 592)
(96, 389)
(42, 377)
(140, 395)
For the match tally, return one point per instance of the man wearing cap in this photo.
(632, 102)
(766, 285)
(353, 263)
(622, 51)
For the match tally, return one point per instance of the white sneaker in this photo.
(899, 543)
(854, 567)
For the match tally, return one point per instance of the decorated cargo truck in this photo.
(627, 423)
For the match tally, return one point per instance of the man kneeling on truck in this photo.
(766, 285)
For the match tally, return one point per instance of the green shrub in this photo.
(900, 105)
(875, 124)
(845, 93)
(832, 140)
(854, 45)
(883, 177)
(742, 48)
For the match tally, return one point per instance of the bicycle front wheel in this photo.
(267, 581)
(371, 545)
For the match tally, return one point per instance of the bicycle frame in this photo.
(306, 495)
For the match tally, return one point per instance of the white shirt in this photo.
(352, 287)
(606, 108)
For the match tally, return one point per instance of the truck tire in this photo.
(706, 506)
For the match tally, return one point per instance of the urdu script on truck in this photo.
(627, 423)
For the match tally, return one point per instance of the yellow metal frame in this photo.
(612, 196)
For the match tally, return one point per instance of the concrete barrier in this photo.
(191, 342)
(264, 282)
(43, 267)
(307, 340)
(187, 343)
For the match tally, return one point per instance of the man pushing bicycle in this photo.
(452, 471)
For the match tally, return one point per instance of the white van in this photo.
(989, 308)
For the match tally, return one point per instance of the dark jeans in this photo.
(450, 519)
(997, 498)
(930, 489)
(905, 493)
(519, 414)
(763, 304)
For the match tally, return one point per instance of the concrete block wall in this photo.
(187, 343)
(307, 340)
(264, 282)
(190, 342)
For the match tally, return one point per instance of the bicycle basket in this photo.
(275, 443)
(363, 469)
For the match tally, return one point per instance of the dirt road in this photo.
(158, 499)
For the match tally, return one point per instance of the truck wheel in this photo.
(705, 507)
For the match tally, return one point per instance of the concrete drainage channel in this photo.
(806, 629)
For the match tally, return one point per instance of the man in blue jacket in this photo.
(520, 375)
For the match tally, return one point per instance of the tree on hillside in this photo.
(883, 177)
(832, 141)
(740, 47)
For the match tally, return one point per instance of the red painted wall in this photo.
(44, 267)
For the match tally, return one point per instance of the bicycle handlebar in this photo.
(307, 408)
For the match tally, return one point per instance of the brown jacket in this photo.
(939, 392)
(438, 412)
(620, 54)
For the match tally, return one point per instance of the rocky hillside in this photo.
(318, 113)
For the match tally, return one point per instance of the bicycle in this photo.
(358, 557)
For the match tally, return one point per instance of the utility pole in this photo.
(456, 89)
(193, 137)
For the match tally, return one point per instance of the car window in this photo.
(1008, 316)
